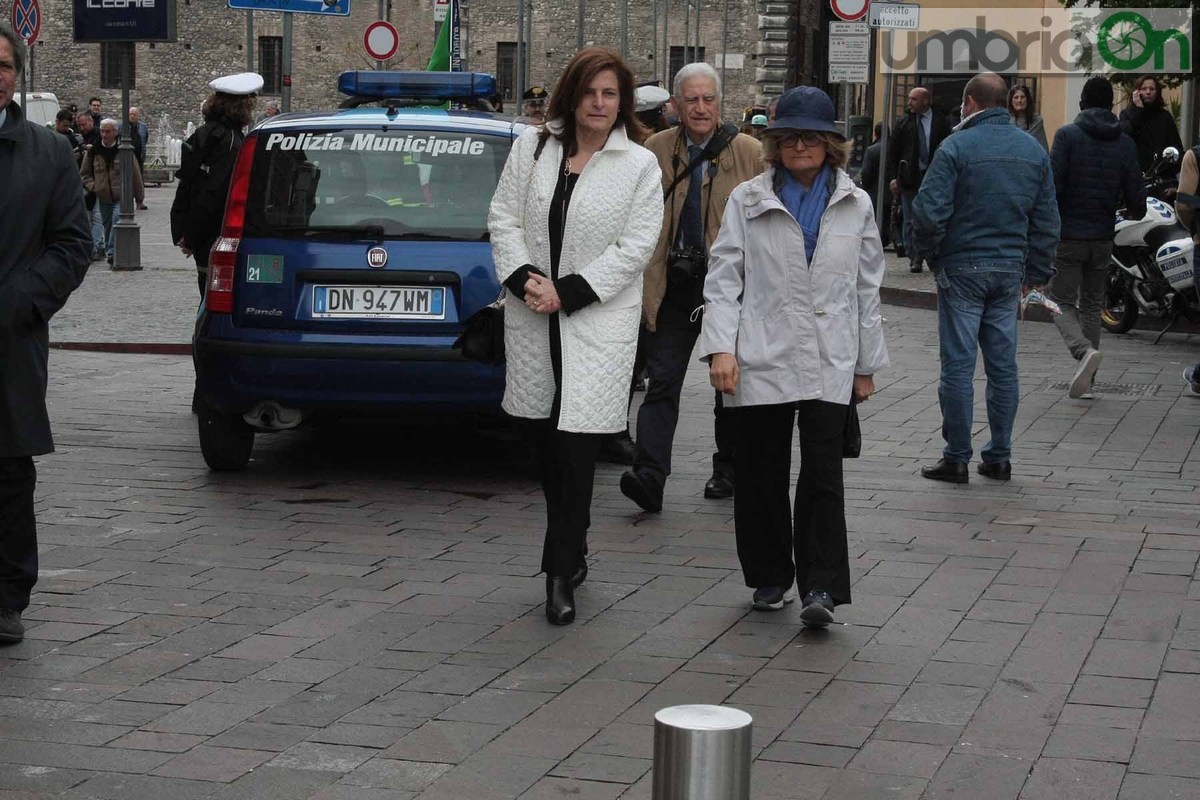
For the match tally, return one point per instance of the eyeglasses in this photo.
(808, 138)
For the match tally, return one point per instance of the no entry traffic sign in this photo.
(27, 20)
(381, 40)
(849, 10)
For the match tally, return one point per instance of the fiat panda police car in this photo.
(353, 249)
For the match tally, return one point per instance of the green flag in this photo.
(439, 60)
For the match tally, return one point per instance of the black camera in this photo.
(687, 263)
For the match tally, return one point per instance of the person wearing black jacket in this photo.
(1149, 122)
(44, 245)
(206, 167)
(868, 179)
(1095, 173)
(914, 141)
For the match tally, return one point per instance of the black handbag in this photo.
(483, 338)
(852, 433)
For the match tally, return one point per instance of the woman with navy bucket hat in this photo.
(792, 333)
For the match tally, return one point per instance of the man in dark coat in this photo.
(915, 139)
(44, 246)
(1095, 172)
(868, 180)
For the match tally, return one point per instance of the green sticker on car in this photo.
(264, 269)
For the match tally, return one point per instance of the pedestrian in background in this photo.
(270, 109)
(758, 126)
(91, 137)
(96, 110)
(101, 173)
(702, 161)
(793, 335)
(533, 105)
(649, 101)
(1148, 121)
(141, 137)
(987, 221)
(574, 219)
(44, 247)
(915, 140)
(1020, 111)
(206, 167)
(1095, 173)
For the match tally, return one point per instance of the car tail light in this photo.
(222, 259)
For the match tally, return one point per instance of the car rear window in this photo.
(408, 183)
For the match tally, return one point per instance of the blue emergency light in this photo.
(445, 86)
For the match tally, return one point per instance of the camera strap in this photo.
(719, 141)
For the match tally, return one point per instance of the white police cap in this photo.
(648, 98)
(241, 83)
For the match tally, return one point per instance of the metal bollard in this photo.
(702, 753)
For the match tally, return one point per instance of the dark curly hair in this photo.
(235, 109)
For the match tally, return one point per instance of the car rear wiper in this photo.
(348, 231)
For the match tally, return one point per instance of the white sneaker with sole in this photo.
(1081, 382)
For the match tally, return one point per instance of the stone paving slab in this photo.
(358, 614)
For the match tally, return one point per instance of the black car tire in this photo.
(225, 441)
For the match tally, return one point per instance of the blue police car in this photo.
(354, 248)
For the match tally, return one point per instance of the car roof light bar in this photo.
(433, 86)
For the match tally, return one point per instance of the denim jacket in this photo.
(987, 203)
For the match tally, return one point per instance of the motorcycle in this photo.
(1152, 270)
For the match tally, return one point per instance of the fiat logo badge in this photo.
(377, 257)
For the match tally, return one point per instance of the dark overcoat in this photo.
(45, 244)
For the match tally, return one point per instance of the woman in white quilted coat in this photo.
(575, 218)
(793, 332)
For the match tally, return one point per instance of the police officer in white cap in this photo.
(206, 166)
(649, 101)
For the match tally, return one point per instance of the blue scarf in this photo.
(806, 205)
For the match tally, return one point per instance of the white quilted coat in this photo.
(611, 229)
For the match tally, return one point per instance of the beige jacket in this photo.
(740, 161)
(105, 182)
(1189, 183)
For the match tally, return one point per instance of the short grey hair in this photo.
(17, 48)
(699, 69)
(110, 122)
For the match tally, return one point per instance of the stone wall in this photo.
(171, 78)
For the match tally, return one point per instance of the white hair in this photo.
(110, 122)
(698, 69)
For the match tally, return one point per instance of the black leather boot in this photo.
(560, 601)
(580, 573)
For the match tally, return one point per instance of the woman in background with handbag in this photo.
(574, 220)
(793, 333)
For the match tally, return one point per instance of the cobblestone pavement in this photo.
(358, 615)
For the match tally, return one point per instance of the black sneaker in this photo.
(11, 628)
(818, 610)
(772, 598)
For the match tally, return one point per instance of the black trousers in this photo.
(18, 532)
(769, 533)
(566, 464)
(668, 353)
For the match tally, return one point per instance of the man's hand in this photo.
(894, 186)
(182, 245)
(540, 294)
(723, 372)
(864, 387)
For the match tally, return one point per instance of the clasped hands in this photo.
(540, 294)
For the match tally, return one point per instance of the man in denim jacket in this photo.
(987, 222)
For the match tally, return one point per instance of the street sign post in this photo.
(440, 9)
(336, 8)
(849, 73)
(27, 20)
(381, 40)
(894, 16)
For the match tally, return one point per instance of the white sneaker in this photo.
(1190, 381)
(1081, 382)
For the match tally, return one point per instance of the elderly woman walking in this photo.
(793, 333)
(575, 218)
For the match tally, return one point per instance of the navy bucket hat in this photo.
(806, 108)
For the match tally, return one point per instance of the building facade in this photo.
(761, 47)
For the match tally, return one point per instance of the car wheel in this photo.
(225, 441)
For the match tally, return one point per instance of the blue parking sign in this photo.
(337, 8)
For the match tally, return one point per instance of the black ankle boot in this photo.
(560, 601)
(580, 573)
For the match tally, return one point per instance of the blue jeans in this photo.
(108, 215)
(978, 311)
(98, 233)
(906, 201)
